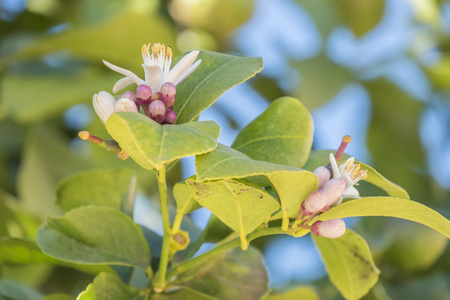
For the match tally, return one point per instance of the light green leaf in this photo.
(183, 294)
(349, 264)
(243, 207)
(225, 162)
(22, 251)
(390, 207)
(217, 73)
(107, 286)
(282, 134)
(95, 235)
(183, 197)
(303, 293)
(111, 188)
(320, 158)
(58, 297)
(16, 291)
(152, 145)
(234, 274)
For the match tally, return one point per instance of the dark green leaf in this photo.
(16, 291)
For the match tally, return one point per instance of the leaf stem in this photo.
(186, 265)
(160, 281)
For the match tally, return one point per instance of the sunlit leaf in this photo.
(107, 286)
(282, 134)
(349, 264)
(183, 195)
(216, 74)
(152, 145)
(183, 294)
(304, 293)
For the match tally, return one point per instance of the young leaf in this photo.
(17, 291)
(390, 207)
(95, 235)
(152, 145)
(303, 293)
(110, 188)
(320, 158)
(282, 134)
(217, 73)
(225, 162)
(234, 274)
(243, 207)
(107, 286)
(349, 264)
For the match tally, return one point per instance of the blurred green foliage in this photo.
(51, 58)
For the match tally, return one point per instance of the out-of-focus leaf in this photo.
(321, 80)
(107, 286)
(415, 248)
(282, 134)
(360, 16)
(321, 158)
(439, 73)
(183, 294)
(394, 144)
(225, 162)
(16, 291)
(58, 297)
(22, 251)
(303, 293)
(112, 188)
(429, 287)
(153, 145)
(216, 74)
(390, 207)
(324, 14)
(72, 238)
(349, 264)
(235, 274)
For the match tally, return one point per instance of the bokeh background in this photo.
(377, 70)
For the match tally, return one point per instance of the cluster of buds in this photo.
(156, 94)
(336, 182)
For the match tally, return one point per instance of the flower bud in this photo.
(315, 201)
(171, 116)
(144, 93)
(323, 174)
(334, 189)
(168, 92)
(103, 103)
(330, 229)
(157, 111)
(125, 104)
(129, 95)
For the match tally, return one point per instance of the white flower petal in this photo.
(181, 67)
(123, 71)
(103, 103)
(188, 72)
(334, 166)
(351, 192)
(153, 77)
(121, 83)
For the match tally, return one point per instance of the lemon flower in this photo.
(157, 70)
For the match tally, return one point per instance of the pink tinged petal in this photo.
(171, 117)
(188, 72)
(323, 174)
(181, 67)
(125, 104)
(334, 166)
(316, 201)
(334, 189)
(153, 77)
(121, 83)
(103, 103)
(123, 71)
(330, 229)
(157, 111)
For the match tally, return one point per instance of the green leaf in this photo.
(22, 251)
(183, 294)
(110, 188)
(349, 264)
(217, 73)
(225, 162)
(234, 274)
(390, 207)
(243, 207)
(282, 134)
(58, 297)
(16, 291)
(321, 158)
(107, 286)
(152, 145)
(95, 235)
(303, 293)
(183, 197)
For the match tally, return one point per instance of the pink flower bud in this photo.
(103, 103)
(334, 189)
(171, 116)
(157, 111)
(323, 174)
(129, 95)
(125, 104)
(330, 229)
(144, 93)
(168, 92)
(315, 201)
